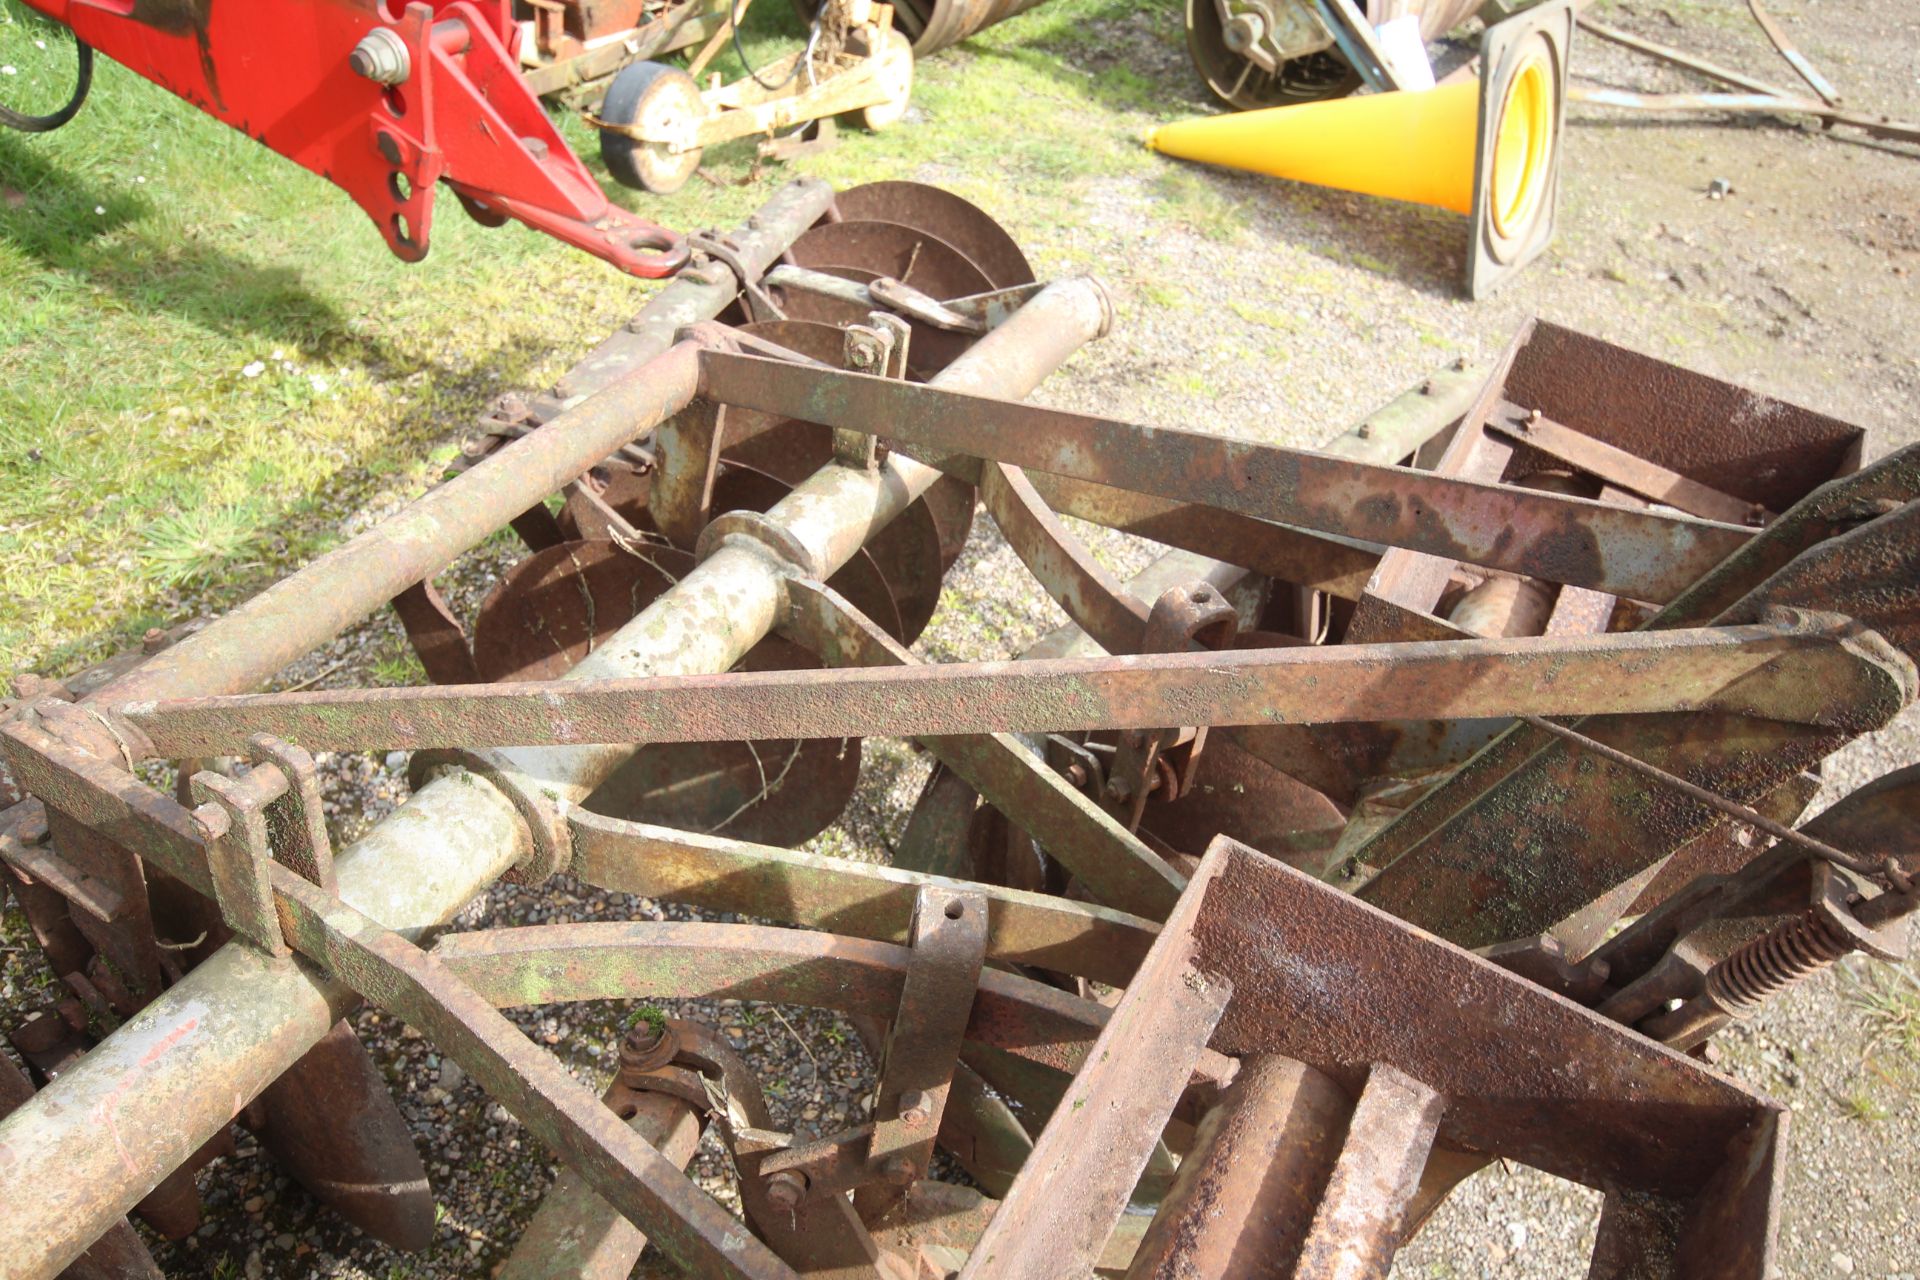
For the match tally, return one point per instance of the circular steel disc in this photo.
(1237, 795)
(908, 254)
(545, 615)
(951, 503)
(785, 448)
(551, 609)
(811, 338)
(778, 792)
(941, 213)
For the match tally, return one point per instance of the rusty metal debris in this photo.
(1749, 95)
(1399, 818)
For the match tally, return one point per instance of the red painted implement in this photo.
(385, 101)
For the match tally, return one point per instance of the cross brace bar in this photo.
(1640, 672)
(1642, 555)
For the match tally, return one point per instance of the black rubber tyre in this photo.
(656, 94)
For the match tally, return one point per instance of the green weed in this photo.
(1267, 317)
(192, 546)
(398, 667)
(1860, 1107)
(1889, 996)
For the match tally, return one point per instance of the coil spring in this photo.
(1775, 961)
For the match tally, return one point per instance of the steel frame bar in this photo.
(1357, 1228)
(1609, 463)
(1092, 597)
(577, 1235)
(1319, 562)
(1110, 860)
(1467, 861)
(1764, 104)
(1036, 1024)
(1828, 512)
(688, 1225)
(922, 1049)
(1799, 61)
(1643, 555)
(240, 1021)
(852, 899)
(1085, 1163)
(1680, 670)
(288, 619)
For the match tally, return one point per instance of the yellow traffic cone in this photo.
(1405, 146)
(1484, 148)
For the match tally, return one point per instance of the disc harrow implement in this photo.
(1430, 799)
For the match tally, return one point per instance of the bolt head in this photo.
(382, 57)
(900, 1171)
(1243, 31)
(786, 1189)
(915, 1106)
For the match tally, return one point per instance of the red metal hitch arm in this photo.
(383, 101)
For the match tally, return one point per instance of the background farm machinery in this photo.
(1429, 800)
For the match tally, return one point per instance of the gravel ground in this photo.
(1797, 283)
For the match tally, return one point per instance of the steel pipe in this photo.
(132, 1110)
(602, 408)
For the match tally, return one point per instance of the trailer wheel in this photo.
(653, 96)
(895, 76)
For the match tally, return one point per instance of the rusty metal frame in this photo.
(1263, 962)
(1270, 1012)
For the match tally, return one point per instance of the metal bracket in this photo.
(949, 940)
(723, 250)
(909, 301)
(1181, 618)
(878, 348)
(297, 822)
(232, 813)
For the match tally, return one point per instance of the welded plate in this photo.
(941, 213)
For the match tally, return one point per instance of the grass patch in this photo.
(1860, 1107)
(1195, 200)
(1267, 317)
(213, 360)
(193, 545)
(1889, 996)
(398, 665)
